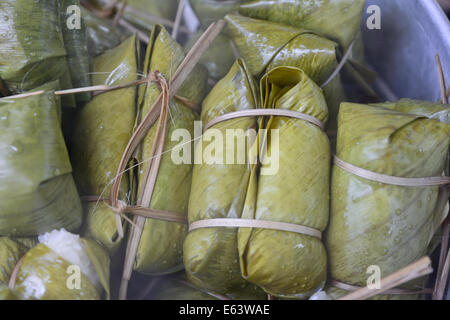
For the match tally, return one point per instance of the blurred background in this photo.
(446, 5)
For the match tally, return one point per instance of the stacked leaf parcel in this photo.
(337, 20)
(287, 46)
(141, 14)
(221, 54)
(38, 197)
(39, 47)
(226, 259)
(248, 215)
(389, 218)
(59, 266)
(101, 136)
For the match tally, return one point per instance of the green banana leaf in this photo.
(103, 128)
(219, 57)
(160, 247)
(379, 224)
(266, 45)
(338, 20)
(284, 264)
(37, 190)
(211, 255)
(6, 293)
(101, 35)
(297, 193)
(11, 250)
(45, 275)
(76, 48)
(52, 86)
(145, 13)
(209, 11)
(32, 50)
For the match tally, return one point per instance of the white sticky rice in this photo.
(72, 249)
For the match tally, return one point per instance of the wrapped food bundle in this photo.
(337, 20)
(287, 46)
(100, 138)
(101, 35)
(37, 190)
(160, 245)
(386, 200)
(219, 57)
(208, 11)
(75, 42)
(143, 13)
(225, 258)
(32, 51)
(62, 267)
(6, 293)
(11, 251)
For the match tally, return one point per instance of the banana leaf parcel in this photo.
(32, 50)
(6, 293)
(11, 251)
(101, 35)
(211, 255)
(219, 57)
(103, 128)
(74, 35)
(37, 190)
(284, 264)
(161, 242)
(63, 266)
(383, 224)
(265, 45)
(337, 20)
(208, 11)
(145, 13)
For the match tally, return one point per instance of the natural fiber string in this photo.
(178, 17)
(352, 288)
(383, 178)
(108, 14)
(413, 271)
(266, 112)
(120, 12)
(100, 89)
(157, 110)
(253, 223)
(442, 274)
(15, 273)
(340, 65)
(258, 224)
(441, 79)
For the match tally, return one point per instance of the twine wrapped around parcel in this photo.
(390, 197)
(221, 255)
(159, 109)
